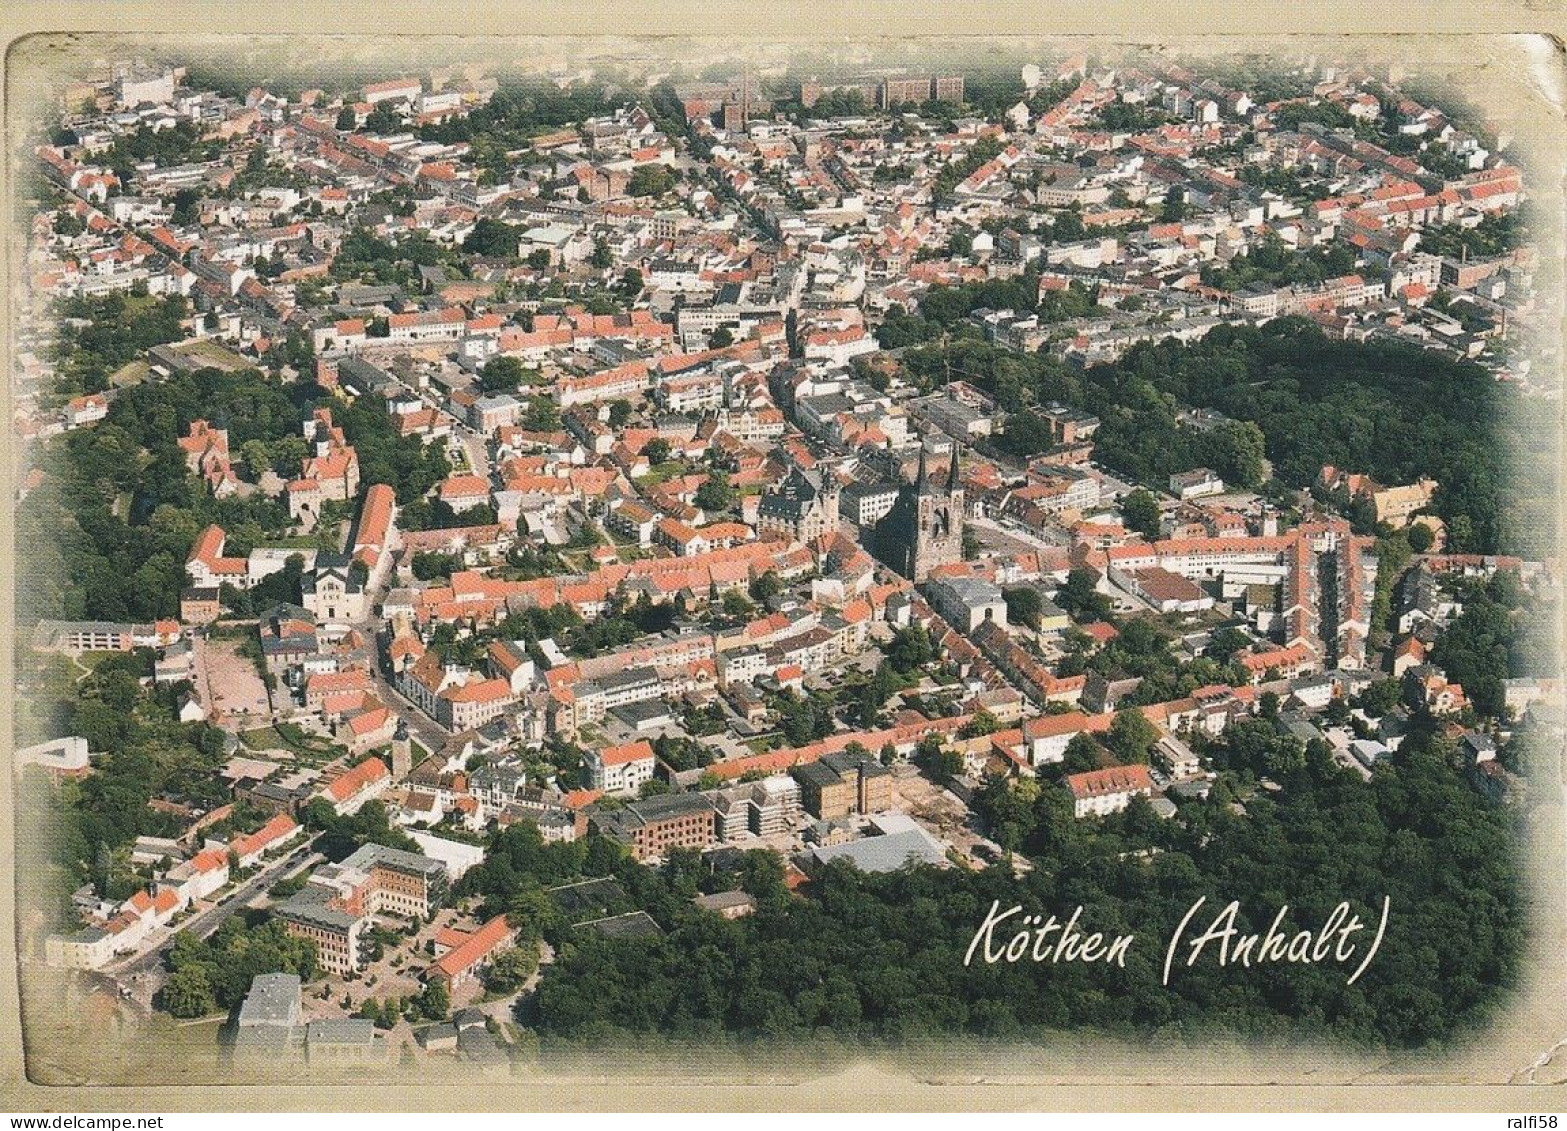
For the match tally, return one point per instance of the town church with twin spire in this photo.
(924, 528)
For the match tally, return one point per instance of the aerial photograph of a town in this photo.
(828, 549)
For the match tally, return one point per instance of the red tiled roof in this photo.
(475, 948)
(626, 754)
(358, 779)
(1116, 779)
(275, 830)
(1073, 722)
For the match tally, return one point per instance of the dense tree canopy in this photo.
(216, 973)
(1297, 400)
(1495, 638)
(880, 957)
(97, 335)
(111, 524)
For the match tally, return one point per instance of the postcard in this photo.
(575, 570)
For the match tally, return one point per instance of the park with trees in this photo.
(878, 958)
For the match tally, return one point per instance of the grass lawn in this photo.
(663, 471)
(286, 736)
(264, 738)
(91, 660)
(316, 541)
(213, 354)
(131, 373)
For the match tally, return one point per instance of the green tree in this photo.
(762, 876)
(1024, 605)
(910, 649)
(1140, 512)
(1082, 754)
(715, 494)
(383, 119)
(187, 208)
(492, 238)
(1381, 697)
(944, 765)
(512, 968)
(736, 604)
(765, 586)
(981, 724)
(188, 992)
(1131, 736)
(502, 374)
(1225, 644)
(1080, 596)
(435, 1000)
(1239, 453)
(541, 415)
(650, 180)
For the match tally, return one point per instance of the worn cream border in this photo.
(870, 1086)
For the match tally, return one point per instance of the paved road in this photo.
(477, 447)
(204, 923)
(421, 728)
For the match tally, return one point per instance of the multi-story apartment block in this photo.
(621, 769)
(1099, 792)
(840, 784)
(335, 908)
(653, 826)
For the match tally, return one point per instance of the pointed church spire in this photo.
(952, 475)
(919, 480)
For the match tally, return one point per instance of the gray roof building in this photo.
(355, 1031)
(273, 1000)
(886, 853)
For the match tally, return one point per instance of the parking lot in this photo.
(232, 685)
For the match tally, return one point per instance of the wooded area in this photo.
(879, 958)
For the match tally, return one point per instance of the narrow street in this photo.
(421, 727)
(477, 448)
(204, 923)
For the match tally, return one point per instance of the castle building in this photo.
(803, 507)
(924, 528)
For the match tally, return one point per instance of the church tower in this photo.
(402, 751)
(924, 529)
(940, 507)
